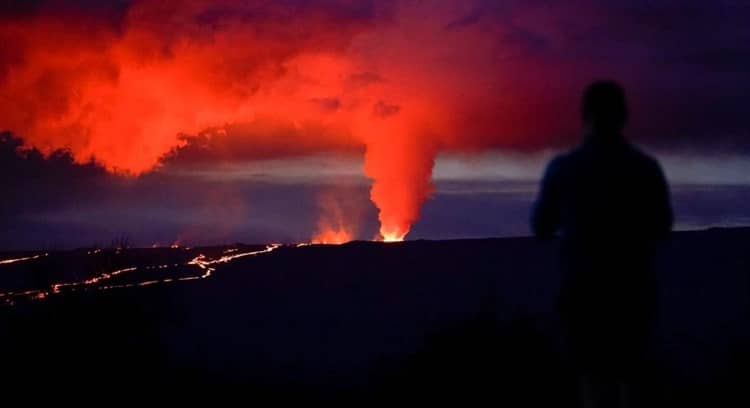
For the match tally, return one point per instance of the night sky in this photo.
(214, 122)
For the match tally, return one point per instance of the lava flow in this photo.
(332, 237)
(28, 258)
(202, 262)
(96, 283)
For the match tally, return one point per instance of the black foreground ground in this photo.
(365, 322)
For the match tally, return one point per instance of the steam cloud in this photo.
(401, 81)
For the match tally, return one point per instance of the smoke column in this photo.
(131, 86)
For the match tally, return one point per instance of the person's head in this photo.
(603, 108)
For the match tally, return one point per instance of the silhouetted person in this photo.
(610, 204)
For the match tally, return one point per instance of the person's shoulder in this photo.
(570, 158)
(646, 160)
(559, 162)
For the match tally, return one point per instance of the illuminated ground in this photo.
(365, 319)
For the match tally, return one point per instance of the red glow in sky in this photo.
(400, 86)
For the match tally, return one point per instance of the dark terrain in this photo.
(472, 320)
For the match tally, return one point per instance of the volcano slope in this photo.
(364, 321)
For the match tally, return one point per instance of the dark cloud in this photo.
(684, 63)
(32, 183)
(54, 203)
(101, 8)
(270, 138)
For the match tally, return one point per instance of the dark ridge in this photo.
(423, 321)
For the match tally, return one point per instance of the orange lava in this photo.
(27, 258)
(393, 237)
(338, 217)
(99, 282)
(332, 237)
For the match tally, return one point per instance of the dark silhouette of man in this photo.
(610, 204)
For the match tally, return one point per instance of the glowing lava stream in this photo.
(28, 258)
(200, 261)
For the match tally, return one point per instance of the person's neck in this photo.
(604, 138)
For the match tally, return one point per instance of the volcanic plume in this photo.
(339, 217)
(130, 87)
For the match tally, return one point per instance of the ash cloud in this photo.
(135, 85)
